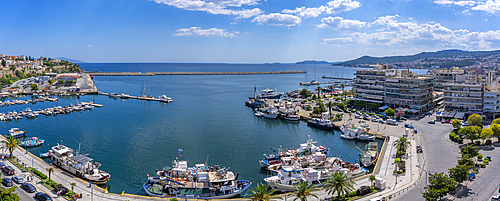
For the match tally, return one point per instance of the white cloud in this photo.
(198, 31)
(89, 45)
(216, 7)
(332, 7)
(278, 19)
(491, 7)
(457, 3)
(341, 23)
(431, 34)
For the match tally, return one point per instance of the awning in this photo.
(385, 107)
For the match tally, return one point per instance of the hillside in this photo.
(424, 55)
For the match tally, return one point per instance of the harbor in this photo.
(189, 73)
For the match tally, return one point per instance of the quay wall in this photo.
(188, 73)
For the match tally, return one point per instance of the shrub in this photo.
(460, 140)
(395, 171)
(452, 135)
(486, 160)
(308, 108)
(354, 193)
(488, 142)
(397, 160)
(400, 171)
(477, 142)
(479, 156)
(363, 190)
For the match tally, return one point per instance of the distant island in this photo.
(439, 59)
(315, 62)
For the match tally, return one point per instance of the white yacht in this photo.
(271, 113)
(165, 99)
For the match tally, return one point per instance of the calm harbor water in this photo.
(132, 138)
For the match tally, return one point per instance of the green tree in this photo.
(373, 106)
(261, 193)
(9, 194)
(34, 87)
(20, 74)
(360, 104)
(389, 112)
(305, 93)
(11, 144)
(4, 64)
(343, 92)
(338, 183)
(304, 190)
(456, 124)
(496, 130)
(341, 106)
(72, 186)
(330, 105)
(320, 108)
(475, 119)
(401, 143)
(466, 160)
(486, 133)
(60, 82)
(372, 179)
(319, 89)
(349, 102)
(496, 121)
(440, 185)
(459, 173)
(13, 69)
(331, 87)
(69, 82)
(50, 170)
(470, 132)
(470, 150)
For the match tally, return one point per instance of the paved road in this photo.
(20, 192)
(488, 180)
(440, 155)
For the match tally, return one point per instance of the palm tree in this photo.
(338, 183)
(318, 89)
(372, 179)
(343, 92)
(72, 186)
(401, 143)
(330, 106)
(331, 87)
(261, 193)
(11, 144)
(50, 170)
(303, 191)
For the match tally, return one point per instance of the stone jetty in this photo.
(188, 73)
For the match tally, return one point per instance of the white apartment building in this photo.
(369, 83)
(491, 98)
(464, 97)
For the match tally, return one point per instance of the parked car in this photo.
(443, 121)
(2, 165)
(381, 121)
(431, 122)
(496, 197)
(366, 118)
(403, 118)
(448, 121)
(374, 119)
(7, 182)
(28, 187)
(357, 117)
(42, 196)
(419, 149)
(18, 179)
(8, 170)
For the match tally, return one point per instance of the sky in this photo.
(244, 31)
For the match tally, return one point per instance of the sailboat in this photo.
(124, 95)
(306, 83)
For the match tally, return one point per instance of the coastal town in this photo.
(416, 126)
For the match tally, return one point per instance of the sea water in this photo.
(208, 120)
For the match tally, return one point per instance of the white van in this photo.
(392, 122)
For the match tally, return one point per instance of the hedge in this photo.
(38, 173)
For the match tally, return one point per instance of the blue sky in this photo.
(244, 31)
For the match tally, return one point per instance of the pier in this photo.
(188, 73)
(337, 78)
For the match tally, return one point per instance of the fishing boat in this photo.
(288, 176)
(198, 182)
(269, 94)
(351, 132)
(321, 123)
(258, 114)
(44, 155)
(271, 113)
(78, 165)
(370, 155)
(290, 116)
(15, 132)
(306, 149)
(32, 142)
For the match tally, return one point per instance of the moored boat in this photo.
(351, 132)
(165, 99)
(198, 182)
(321, 123)
(78, 165)
(271, 113)
(370, 155)
(290, 116)
(15, 132)
(32, 142)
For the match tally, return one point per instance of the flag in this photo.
(180, 156)
(180, 150)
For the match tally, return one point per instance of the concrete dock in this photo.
(188, 73)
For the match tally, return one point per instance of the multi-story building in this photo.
(369, 83)
(410, 91)
(442, 77)
(464, 97)
(491, 98)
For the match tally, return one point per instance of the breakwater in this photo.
(189, 73)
